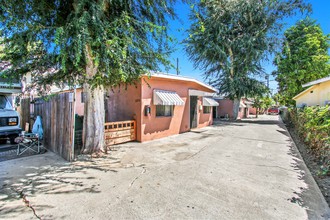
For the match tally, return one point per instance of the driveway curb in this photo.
(316, 209)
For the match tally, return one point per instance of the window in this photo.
(164, 110)
(83, 97)
(4, 102)
(206, 109)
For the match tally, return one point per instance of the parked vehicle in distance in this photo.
(9, 121)
(273, 111)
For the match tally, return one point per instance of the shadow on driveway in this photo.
(307, 197)
(44, 175)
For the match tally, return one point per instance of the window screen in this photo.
(164, 110)
(206, 109)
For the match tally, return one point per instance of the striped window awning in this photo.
(242, 105)
(162, 97)
(248, 104)
(209, 102)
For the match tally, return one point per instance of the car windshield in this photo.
(4, 102)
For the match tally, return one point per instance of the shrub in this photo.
(313, 126)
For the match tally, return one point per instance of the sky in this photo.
(177, 28)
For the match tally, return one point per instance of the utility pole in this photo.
(267, 78)
(177, 66)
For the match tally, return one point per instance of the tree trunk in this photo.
(236, 108)
(94, 115)
(94, 120)
(231, 56)
(257, 112)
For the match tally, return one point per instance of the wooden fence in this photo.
(57, 121)
(24, 110)
(119, 132)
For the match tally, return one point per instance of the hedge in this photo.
(313, 126)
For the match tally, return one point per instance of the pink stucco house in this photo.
(162, 105)
(225, 108)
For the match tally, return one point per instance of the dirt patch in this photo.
(311, 162)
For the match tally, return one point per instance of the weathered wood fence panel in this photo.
(24, 111)
(57, 121)
(119, 132)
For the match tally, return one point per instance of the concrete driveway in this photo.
(241, 170)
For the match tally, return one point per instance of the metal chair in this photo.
(28, 141)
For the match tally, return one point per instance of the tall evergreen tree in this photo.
(94, 43)
(230, 38)
(304, 57)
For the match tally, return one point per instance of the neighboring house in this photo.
(225, 108)
(317, 94)
(162, 105)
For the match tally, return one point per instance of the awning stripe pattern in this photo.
(209, 102)
(242, 105)
(162, 97)
(248, 104)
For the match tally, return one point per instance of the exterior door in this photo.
(193, 111)
(245, 112)
(214, 111)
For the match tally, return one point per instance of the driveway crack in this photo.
(202, 149)
(137, 177)
(25, 201)
(27, 204)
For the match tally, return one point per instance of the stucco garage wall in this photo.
(226, 107)
(124, 104)
(79, 103)
(252, 111)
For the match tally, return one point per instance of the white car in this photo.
(9, 121)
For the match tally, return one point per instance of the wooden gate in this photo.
(57, 119)
(119, 132)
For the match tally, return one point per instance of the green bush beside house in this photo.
(313, 126)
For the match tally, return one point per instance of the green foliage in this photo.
(278, 98)
(263, 102)
(120, 39)
(313, 125)
(229, 39)
(304, 58)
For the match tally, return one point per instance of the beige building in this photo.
(318, 93)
